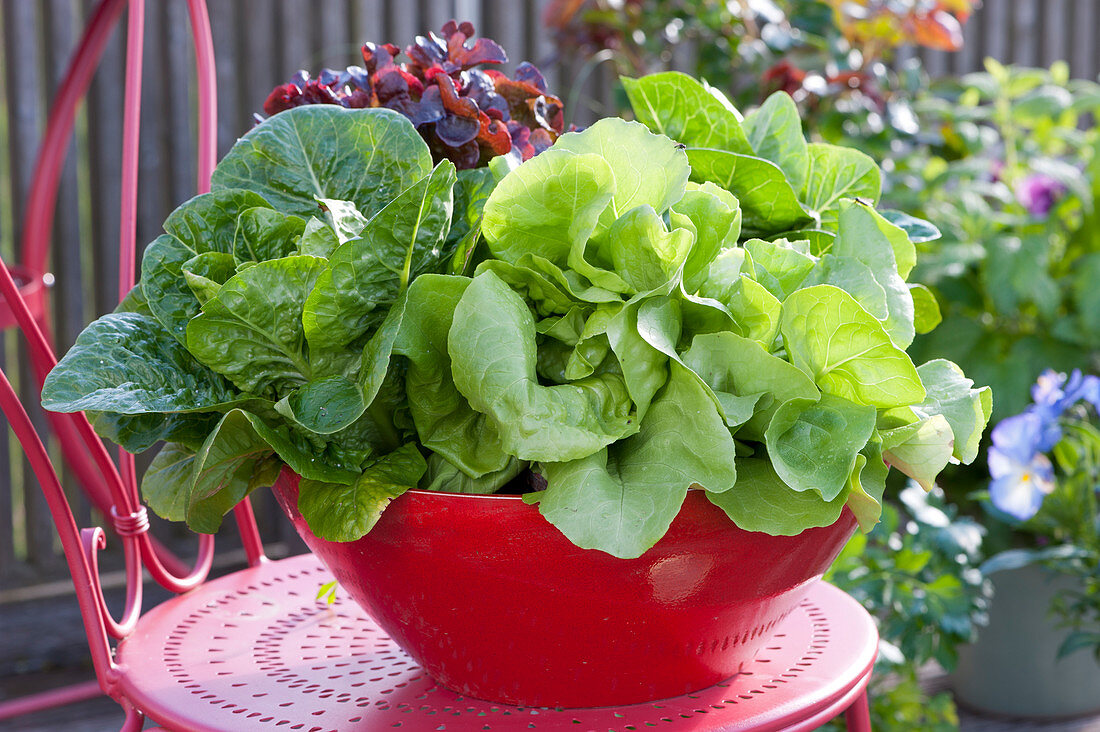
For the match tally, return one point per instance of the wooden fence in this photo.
(260, 43)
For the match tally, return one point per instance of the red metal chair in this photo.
(256, 650)
(31, 273)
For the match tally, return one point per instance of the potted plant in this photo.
(683, 342)
(1049, 581)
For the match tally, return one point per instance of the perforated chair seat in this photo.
(255, 651)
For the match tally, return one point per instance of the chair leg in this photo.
(857, 717)
(135, 720)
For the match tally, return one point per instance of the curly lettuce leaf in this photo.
(346, 512)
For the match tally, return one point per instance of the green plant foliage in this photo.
(917, 573)
(637, 316)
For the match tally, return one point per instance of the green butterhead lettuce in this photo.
(697, 300)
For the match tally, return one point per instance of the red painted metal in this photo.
(256, 651)
(112, 492)
(496, 603)
(49, 699)
(38, 231)
(131, 143)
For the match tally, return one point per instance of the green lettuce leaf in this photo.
(846, 350)
(761, 501)
(646, 255)
(222, 471)
(622, 500)
(206, 273)
(644, 368)
(861, 238)
(768, 202)
(713, 215)
(471, 191)
(445, 421)
(775, 133)
(867, 484)
(813, 443)
(127, 363)
(547, 206)
(136, 433)
(921, 449)
(739, 366)
(252, 333)
(493, 353)
(649, 170)
(318, 239)
(344, 218)
(674, 104)
(364, 275)
(926, 309)
(838, 172)
(166, 485)
(446, 477)
(208, 222)
(263, 234)
(338, 512)
(966, 409)
(778, 265)
(366, 156)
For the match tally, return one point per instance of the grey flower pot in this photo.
(1013, 669)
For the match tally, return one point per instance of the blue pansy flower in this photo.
(1022, 475)
(1053, 394)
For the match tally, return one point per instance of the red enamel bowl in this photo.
(495, 603)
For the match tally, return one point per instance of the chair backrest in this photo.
(113, 487)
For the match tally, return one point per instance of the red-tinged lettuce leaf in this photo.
(466, 115)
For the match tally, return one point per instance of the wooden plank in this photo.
(223, 27)
(506, 26)
(63, 22)
(178, 59)
(258, 73)
(154, 191)
(471, 10)
(969, 57)
(1083, 40)
(8, 560)
(334, 47)
(24, 38)
(296, 51)
(1025, 40)
(368, 21)
(433, 14)
(403, 23)
(997, 41)
(104, 107)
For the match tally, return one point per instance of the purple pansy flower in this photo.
(1038, 193)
